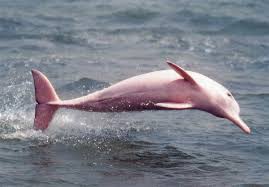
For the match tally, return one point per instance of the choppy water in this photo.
(86, 45)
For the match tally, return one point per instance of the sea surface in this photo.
(86, 45)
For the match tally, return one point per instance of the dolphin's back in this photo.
(148, 82)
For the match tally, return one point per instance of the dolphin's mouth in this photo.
(240, 123)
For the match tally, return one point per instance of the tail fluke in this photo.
(44, 91)
(44, 94)
(43, 115)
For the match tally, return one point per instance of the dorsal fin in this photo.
(182, 72)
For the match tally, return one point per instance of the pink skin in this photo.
(174, 89)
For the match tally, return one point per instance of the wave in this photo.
(205, 23)
(167, 157)
(85, 85)
(133, 15)
(10, 23)
(199, 19)
(258, 95)
(246, 27)
(56, 19)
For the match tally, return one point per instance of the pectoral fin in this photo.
(175, 106)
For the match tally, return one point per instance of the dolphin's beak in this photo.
(240, 123)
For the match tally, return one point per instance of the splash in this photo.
(68, 126)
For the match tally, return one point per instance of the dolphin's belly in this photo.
(135, 101)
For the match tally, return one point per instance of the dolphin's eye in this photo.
(229, 94)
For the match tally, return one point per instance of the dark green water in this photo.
(86, 45)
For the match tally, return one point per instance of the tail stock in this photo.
(44, 94)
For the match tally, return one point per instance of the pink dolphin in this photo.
(175, 89)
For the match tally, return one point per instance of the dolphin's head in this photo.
(219, 101)
(212, 97)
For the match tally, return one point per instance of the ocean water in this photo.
(86, 45)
